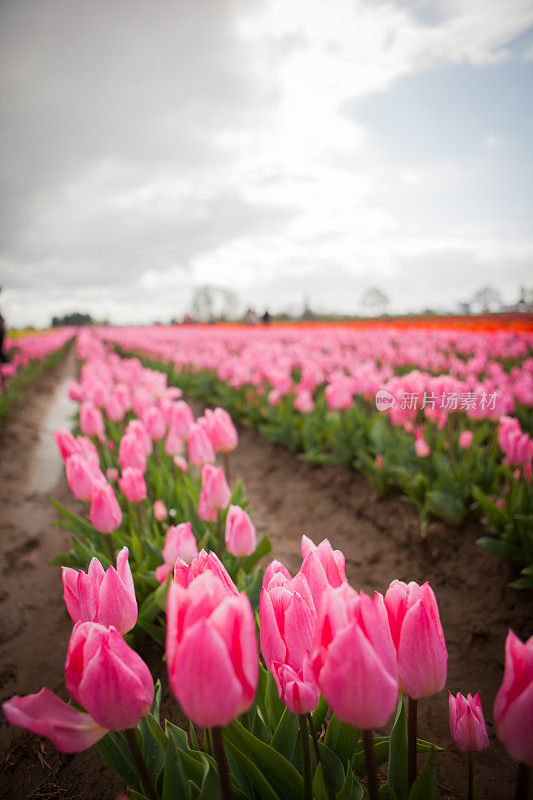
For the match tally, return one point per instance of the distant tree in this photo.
(374, 302)
(487, 299)
(211, 303)
(75, 318)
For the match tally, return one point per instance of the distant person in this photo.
(265, 319)
(251, 317)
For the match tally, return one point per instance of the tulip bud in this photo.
(91, 420)
(211, 650)
(215, 493)
(154, 423)
(132, 484)
(200, 448)
(105, 512)
(131, 453)
(106, 677)
(240, 532)
(180, 542)
(467, 724)
(160, 511)
(81, 476)
(418, 638)
(221, 430)
(465, 439)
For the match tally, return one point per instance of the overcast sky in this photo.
(283, 149)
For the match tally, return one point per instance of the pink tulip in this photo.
(105, 512)
(353, 657)
(185, 573)
(422, 448)
(288, 623)
(240, 534)
(81, 476)
(467, 724)
(91, 420)
(182, 418)
(103, 675)
(322, 567)
(66, 443)
(215, 493)
(418, 638)
(136, 429)
(465, 439)
(180, 542)
(154, 423)
(131, 453)
(513, 707)
(304, 401)
(106, 677)
(174, 443)
(221, 430)
(114, 408)
(132, 484)
(200, 448)
(339, 394)
(211, 650)
(106, 597)
(160, 511)
(181, 463)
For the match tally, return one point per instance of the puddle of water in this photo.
(48, 464)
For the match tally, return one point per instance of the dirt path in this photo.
(34, 626)
(289, 497)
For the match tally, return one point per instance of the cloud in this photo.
(147, 148)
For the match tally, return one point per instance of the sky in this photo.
(283, 151)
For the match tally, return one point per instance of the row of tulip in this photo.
(316, 393)
(322, 643)
(27, 357)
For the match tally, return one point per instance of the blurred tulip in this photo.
(132, 484)
(131, 453)
(513, 707)
(180, 542)
(160, 511)
(91, 420)
(200, 448)
(465, 439)
(105, 512)
(81, 476)
(240, 534)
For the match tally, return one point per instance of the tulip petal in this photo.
(421, 675)
(203, 678)
(47, 715)
(116, 606)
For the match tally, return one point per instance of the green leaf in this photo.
(286, 734)
(246, 773)
(332, 770)
(259, 728)
(210, 789)
(347, 787)
(341, 738)
(499, 548)
(425, 786)
(448, 507)
(175, 786)
(397, 772)
(386, 792)
(115, 753)
(264, 547)
(280, 773)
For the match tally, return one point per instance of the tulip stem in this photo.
(314, 737)
(222, 761)
(411, 741)
(106, 543)
(226, 467)
(522, 782)
(219, 531)
(470, 775)
(140, 763)
(306, 758)
(370, 764)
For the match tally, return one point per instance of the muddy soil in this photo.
(381, 540)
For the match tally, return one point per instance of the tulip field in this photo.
(275, 550)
